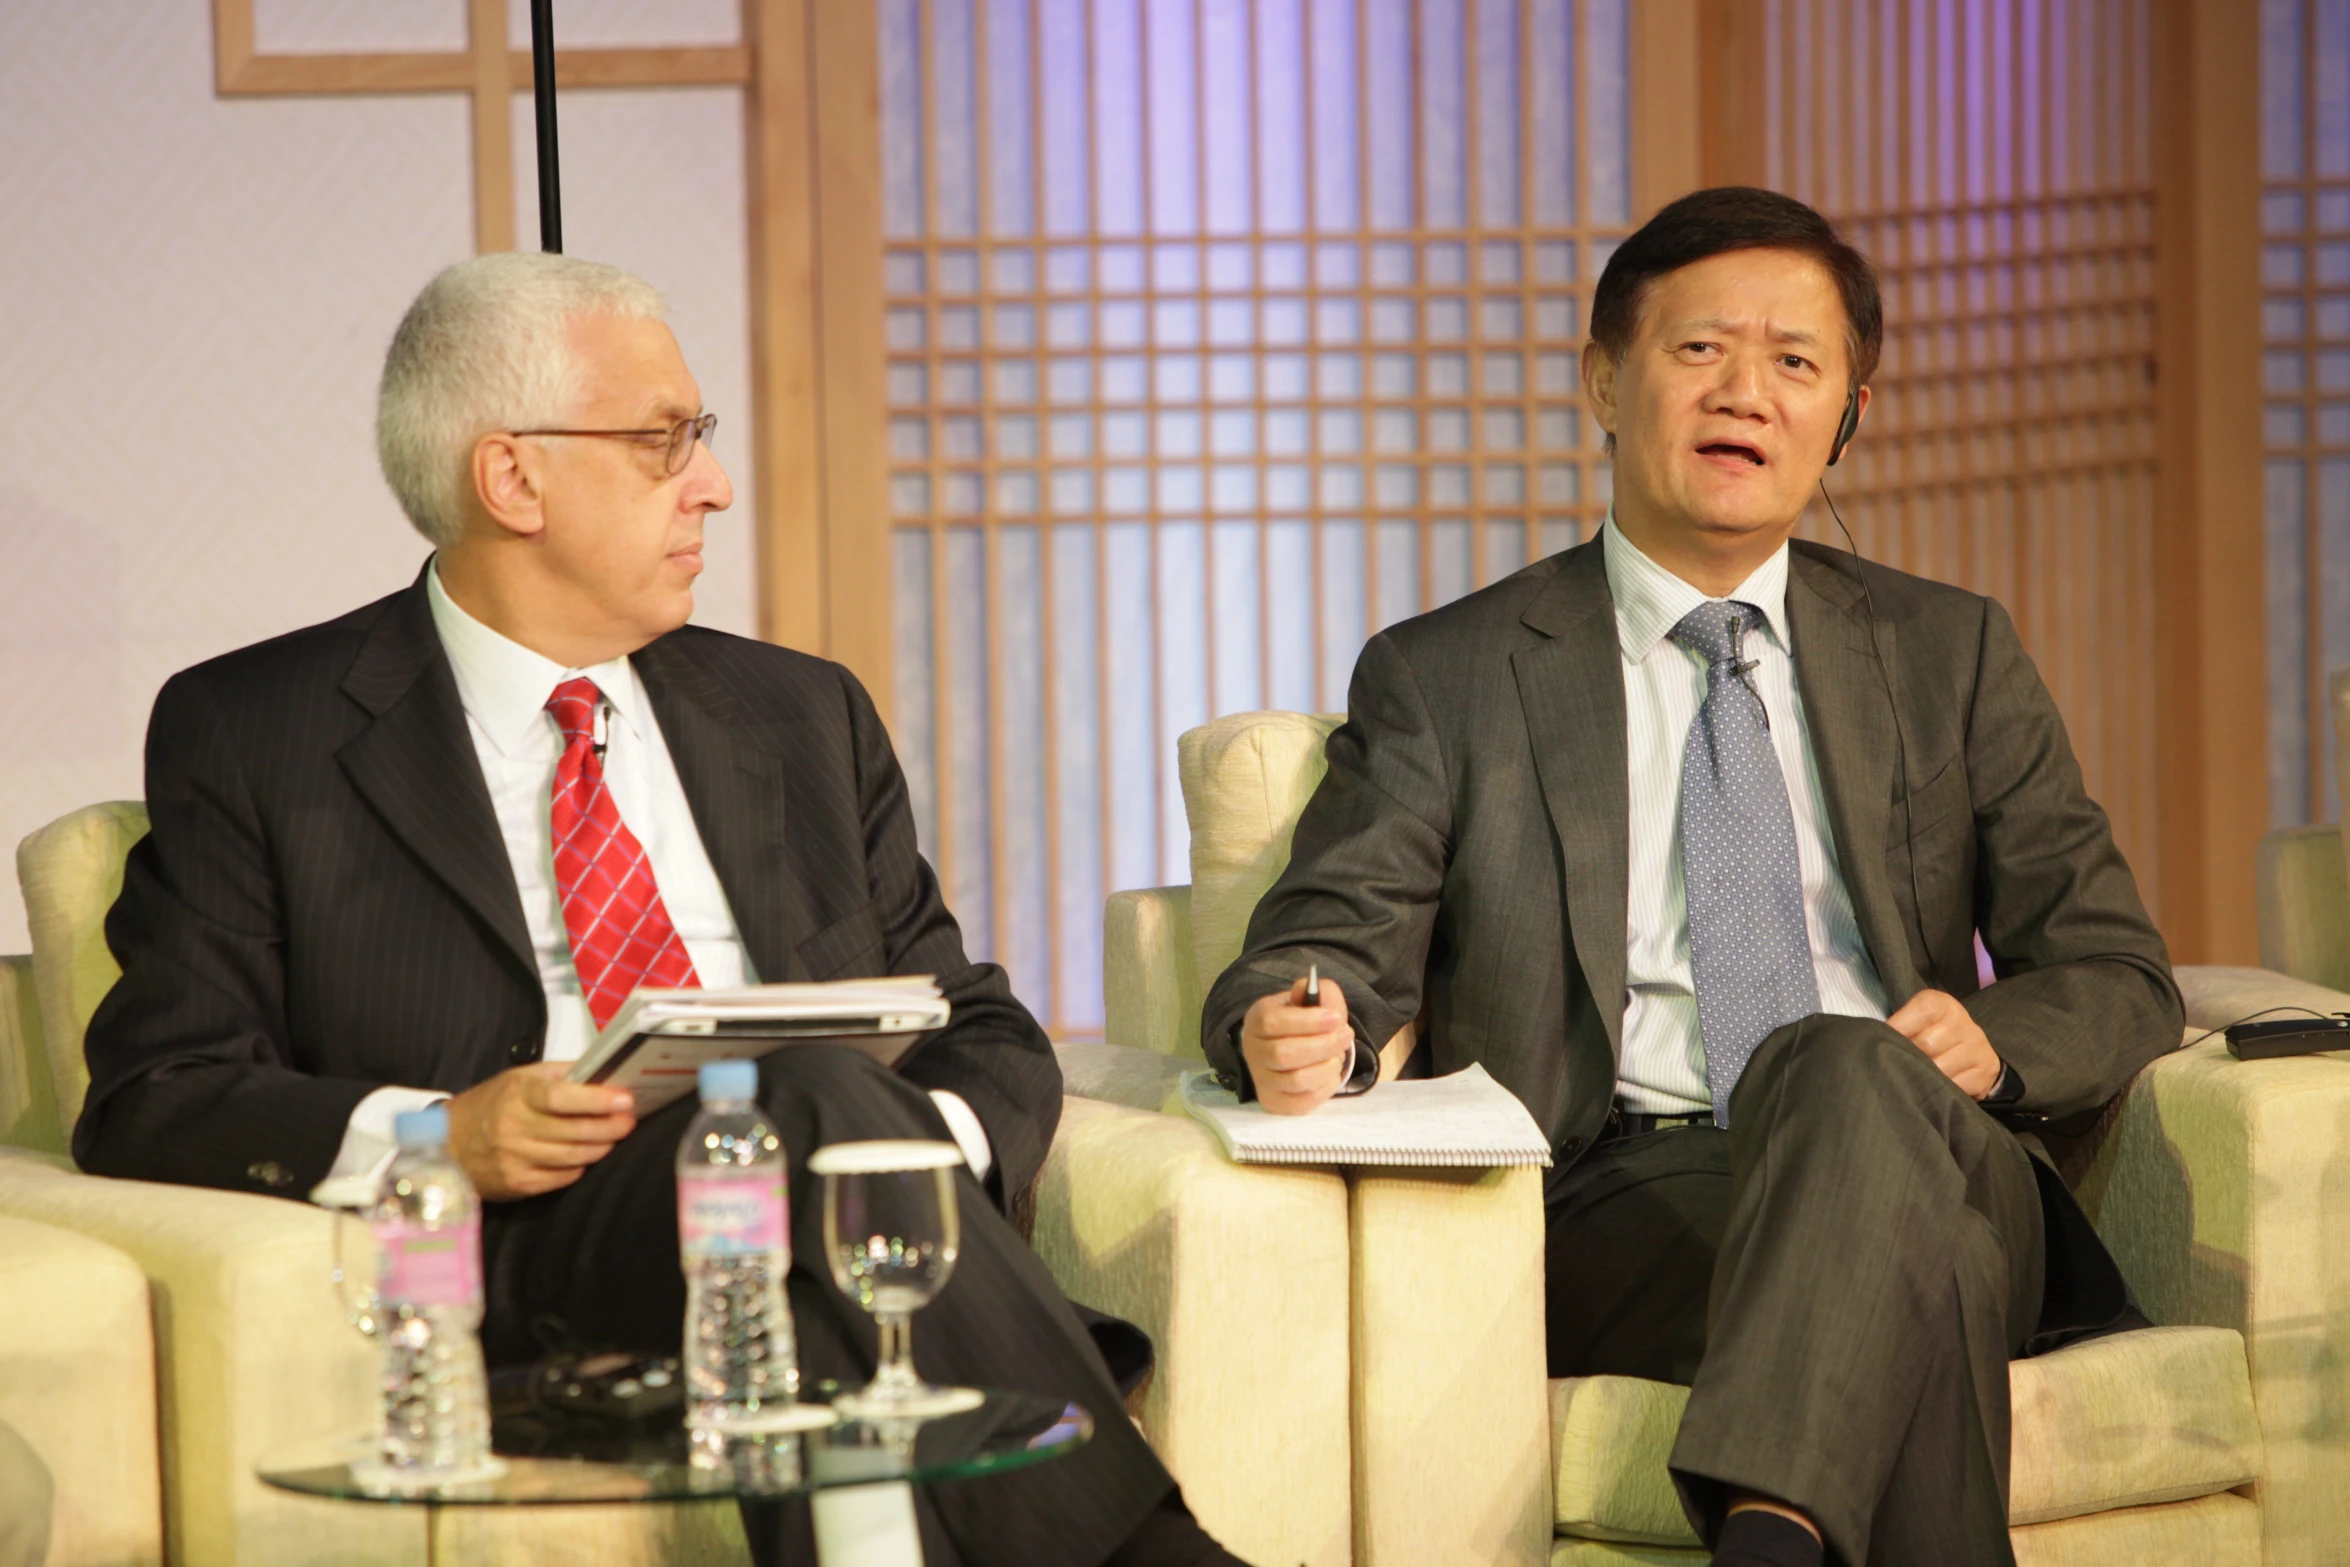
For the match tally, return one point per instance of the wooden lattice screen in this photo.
(1995, 158)
(2305, 375)
(1221, 334)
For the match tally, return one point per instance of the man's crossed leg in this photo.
(1841, 1277)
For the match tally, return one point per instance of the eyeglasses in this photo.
(680, 437)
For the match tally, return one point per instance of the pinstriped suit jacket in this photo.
(1464, 862)
(325, 905)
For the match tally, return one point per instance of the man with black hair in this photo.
(1687, 834)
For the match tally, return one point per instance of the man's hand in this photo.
(1934, 1021)
(1297, 1055)
(530, 1130)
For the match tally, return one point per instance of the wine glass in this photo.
(891, 1233)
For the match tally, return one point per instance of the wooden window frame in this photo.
(821, 526)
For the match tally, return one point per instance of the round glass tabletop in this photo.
(537, 1466)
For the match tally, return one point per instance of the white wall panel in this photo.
(199, 292)
(357, 26)
(1211, 313)
(2305, 371)
(198, 295)
(618, 24)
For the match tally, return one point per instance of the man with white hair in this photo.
(355, 898)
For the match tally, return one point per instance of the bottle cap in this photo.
(425, 1128)
(729, 1080)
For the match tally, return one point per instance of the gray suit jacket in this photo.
(1464, 863)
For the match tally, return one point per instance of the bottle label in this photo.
(728, 1216)
(430, 1265)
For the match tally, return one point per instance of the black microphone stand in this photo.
(542, 93)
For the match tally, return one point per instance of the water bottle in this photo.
(741, 1365)
(427, 1226)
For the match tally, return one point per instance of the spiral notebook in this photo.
(1466, 1120)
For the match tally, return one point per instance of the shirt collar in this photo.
(505, 685)
(1651, 601)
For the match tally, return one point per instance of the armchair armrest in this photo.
(1239, 1275)
(1452, 1413)
(2217, 996)
(77, 1402)
(252, 1352)
(2220, 1192)
(1150, 987)
(1123, 1075)
(2305, 904)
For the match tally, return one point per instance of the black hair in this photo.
(1726, 218)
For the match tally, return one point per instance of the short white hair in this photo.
(486, 347)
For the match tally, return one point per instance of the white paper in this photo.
(1466, 1120)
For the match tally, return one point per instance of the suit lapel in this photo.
(1848, 714)
(736, 790)
(1571, 687)
(415, 765)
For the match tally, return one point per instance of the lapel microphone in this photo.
(1742, 668)
(600, 734)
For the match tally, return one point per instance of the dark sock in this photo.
(1755, 1538)
(1169, 1536)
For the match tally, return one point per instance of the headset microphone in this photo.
(1846, 428)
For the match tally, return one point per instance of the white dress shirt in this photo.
(1662, 1071)
(504, 687)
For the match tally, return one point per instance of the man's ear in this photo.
(1599, 386)
(507, 479)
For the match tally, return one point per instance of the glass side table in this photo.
(860, 1474)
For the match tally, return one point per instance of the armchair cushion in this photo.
(2305, 904)
(1245, 777)
(71, 872)
(2160, 1415)
(28, 1104)
(1150, 990)
(2220, 1530)
(1609, 1437)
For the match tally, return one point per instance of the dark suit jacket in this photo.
(1465, 861)
(325, 905)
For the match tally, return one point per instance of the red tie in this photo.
(620, 932)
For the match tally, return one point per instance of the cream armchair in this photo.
(2304, 893)
(2214, 1438)
(78, 1460)
(1137, 1213)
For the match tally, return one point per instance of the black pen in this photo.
(1313, 985)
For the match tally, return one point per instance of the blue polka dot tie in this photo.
(1748, 952)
